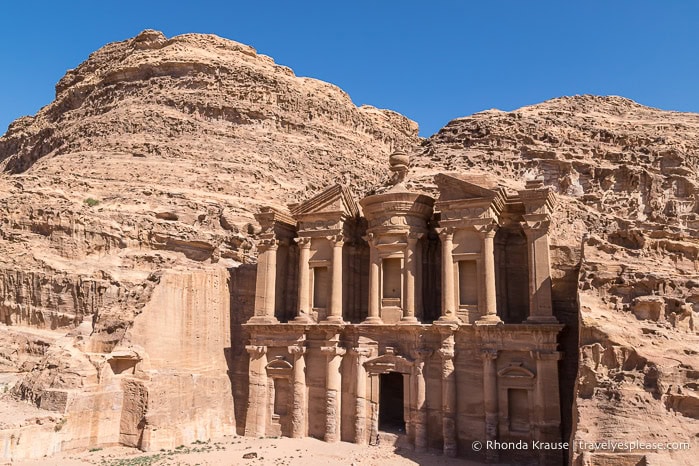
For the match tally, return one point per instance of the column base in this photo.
(333, 320)
(489, 319)
(303, 318)
(262, 320)
(447, 320)
(372, 320)
(541, 320)
(408, 320)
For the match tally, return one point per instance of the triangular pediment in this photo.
(452, 188)
(335, 199)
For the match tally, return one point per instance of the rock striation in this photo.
(624, 257)
(126, 205)
(128, 246)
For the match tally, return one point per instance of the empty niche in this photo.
(281, 397)
(518, 409)
(391, 278)
(123, 366)
(321, 285)
(468, 283)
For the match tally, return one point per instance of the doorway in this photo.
(391, 398)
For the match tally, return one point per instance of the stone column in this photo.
(333, 392)
(258, 404)
(490, 399)
(448, 306)
(490, 315)
(335, 314)
(446, 352)
(360, 420)
(420, 424)
(546, 412)
(536, 228)
(298, 413)
(410, 274)
(374, 265)
(304, 311)
(265, 286)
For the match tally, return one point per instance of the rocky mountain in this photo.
(125, 203)
(127, 244)
(625, 253)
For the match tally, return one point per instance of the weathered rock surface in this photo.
(125, 205)
(625, 252)
(126, 209)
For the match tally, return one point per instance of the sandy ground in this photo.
(231, 451)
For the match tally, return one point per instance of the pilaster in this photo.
(299, 407)
(490, 399)
(446, 353)
(333, 390)
(304, 290)
(265, 286)
(360, 411)
(448, 292)
(487, 233)
(374, 265)
(536, 228)
(258, 402)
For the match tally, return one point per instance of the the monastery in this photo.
(427, 316)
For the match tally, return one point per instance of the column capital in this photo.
(296, 350)
(487, 230)
(304, 242)
(413, 237)
(268, 244)
(333, 350)
(337, 240)
(536, 224)
(256, 350)
(445, 232)
(489, 354)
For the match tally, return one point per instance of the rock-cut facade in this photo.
(427, 315)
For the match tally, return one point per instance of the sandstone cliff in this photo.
(127, 203)
(128, 243)
(625, 252)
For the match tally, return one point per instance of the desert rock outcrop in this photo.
(128, 247)
(125, 205)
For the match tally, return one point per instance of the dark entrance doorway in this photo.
(391, 402)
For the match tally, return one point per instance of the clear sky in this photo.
(429, 60)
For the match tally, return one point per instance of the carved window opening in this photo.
(518, 409)
(392, 281)
(321, 287)
(468, 283)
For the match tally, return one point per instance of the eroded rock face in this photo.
(126, 205)
(626, 238)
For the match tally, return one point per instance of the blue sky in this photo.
(431, 61)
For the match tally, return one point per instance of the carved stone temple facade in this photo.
(428, 315)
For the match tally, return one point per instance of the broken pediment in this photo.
(336, 200)
(452, 188)
(275, 222)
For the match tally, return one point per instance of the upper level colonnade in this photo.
(475, 253)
